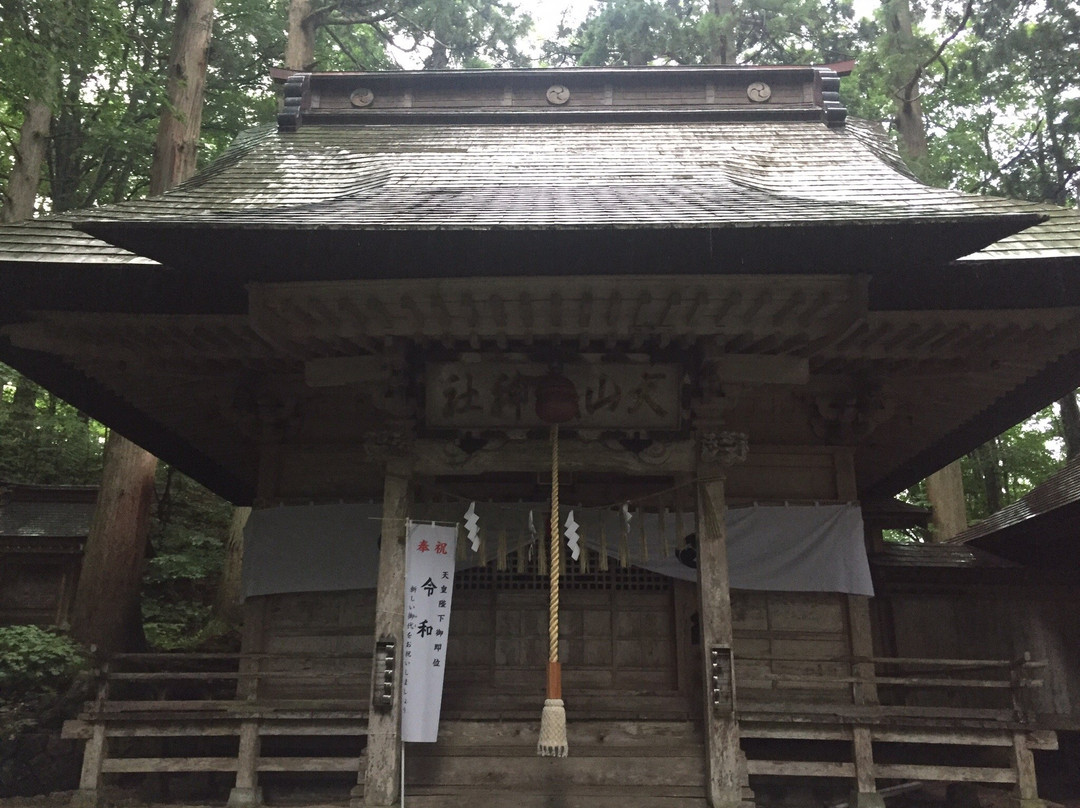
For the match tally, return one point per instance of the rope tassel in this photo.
(552, 741)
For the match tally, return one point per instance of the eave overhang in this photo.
(264, 247)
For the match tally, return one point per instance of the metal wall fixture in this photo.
(721, 681)
(382, 694)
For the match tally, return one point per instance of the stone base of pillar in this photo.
(1030, 802)
(356, 796)
(245, 798)
(866, 799)
(87, 798)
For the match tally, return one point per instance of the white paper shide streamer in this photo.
(572, 537)
(472, 527)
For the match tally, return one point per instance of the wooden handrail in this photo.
(161, 656)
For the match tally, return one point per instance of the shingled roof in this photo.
(1042, 528)
(425, 156)
(48, 511)
(719, 176)
(688, 179)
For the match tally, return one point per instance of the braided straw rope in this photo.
(552, 740)
(553, 598)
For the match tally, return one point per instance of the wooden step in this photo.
(588, 706)
(550, 775)
(566, 797)
(580, 734)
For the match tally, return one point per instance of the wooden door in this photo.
(617, 636)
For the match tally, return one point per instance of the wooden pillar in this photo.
(948, 514)
(864, 691)
(382, 778)
(716, 452)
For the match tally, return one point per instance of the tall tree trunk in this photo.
(300, 46)
(945, 490)
(905, 85)
(176, 146)
(106, 611)
(989, 459)
(1069, 413)
(227, 603)
(723, 48)
(20, 196)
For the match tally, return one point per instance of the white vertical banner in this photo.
(429, 586)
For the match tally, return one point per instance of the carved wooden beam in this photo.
(438, 458)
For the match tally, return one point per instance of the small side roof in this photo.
(48, 511)
(1042, 528)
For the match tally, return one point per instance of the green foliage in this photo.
(36, 659)
(1001, 100)
(1000, 471)
(45, 440)
(1004, 469)
(182, 625)
(190, 524)
(641, 32)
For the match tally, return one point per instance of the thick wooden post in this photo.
(864, 691)
(716, 452)
(383, 775)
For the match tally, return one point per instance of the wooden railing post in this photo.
(89, 793)
(1027, 791)
(246, 793)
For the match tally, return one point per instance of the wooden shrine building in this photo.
(763, 320)
(42, 532)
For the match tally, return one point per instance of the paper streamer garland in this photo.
(572, 537)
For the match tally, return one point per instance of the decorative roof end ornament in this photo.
(827, 96)
(296, 101)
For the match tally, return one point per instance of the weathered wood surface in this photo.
(956, 622)
(383, 774)
(647, 763)
(570, 307)
(606, 796)
(324, 463)
(1024, 768)
(714, 592)
(949, 774)
(862, 751)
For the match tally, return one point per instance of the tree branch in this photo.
(344, 48)
(909, 93)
